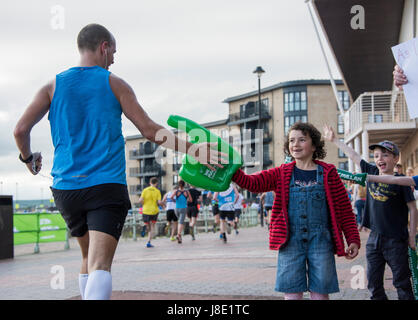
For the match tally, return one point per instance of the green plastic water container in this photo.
(198, 174)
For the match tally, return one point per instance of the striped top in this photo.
(278, 179)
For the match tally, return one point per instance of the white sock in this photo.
(82, 281)
(99, 285)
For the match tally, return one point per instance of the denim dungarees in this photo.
(306, 262)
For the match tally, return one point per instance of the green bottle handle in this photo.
(197, 133)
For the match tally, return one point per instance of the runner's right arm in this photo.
(157, 133)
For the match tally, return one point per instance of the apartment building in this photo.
(282, 105)
(363, 54)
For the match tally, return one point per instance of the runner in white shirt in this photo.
(171, 214)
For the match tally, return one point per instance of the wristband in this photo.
(28, 160)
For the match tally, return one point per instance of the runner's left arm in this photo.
(32, 115)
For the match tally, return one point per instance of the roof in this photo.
(363, 56)
(205, 125)
(283, 85)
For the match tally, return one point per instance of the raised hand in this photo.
(399, 77)
(329, 133)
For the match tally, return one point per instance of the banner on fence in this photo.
(38, 228)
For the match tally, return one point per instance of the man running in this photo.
(85, 104)
(192, 209)
(150, 200)
(182, 196)
(171, 214)
(227, 200)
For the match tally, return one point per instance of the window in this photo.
(224, 134)
(175, 179)
(343, 165)
(378, 118)
(344, 99)
(290, 120)
(295, 106)
(303, 100)
(341, 154)
(340, 128)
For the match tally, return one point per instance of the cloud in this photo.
(183, 57)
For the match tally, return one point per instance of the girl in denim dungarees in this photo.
(307, 261)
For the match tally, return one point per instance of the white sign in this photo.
(406, 56)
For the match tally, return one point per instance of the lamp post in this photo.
(259, 71)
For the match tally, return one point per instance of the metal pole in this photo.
(326, 61)
(259, 127)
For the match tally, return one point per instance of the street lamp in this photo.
(259, 71)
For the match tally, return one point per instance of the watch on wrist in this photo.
(28, 160)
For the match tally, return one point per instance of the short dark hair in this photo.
(307, 129)
(92, 35)
(181, 183)
(154, 180)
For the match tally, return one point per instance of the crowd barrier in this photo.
(134, 223)
(39, 227)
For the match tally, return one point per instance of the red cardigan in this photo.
(278, 180)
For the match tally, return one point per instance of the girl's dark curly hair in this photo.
(317, 142)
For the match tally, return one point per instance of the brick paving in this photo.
(203, 269)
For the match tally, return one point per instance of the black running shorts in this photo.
(171, 215)
(147, 218)
(229, 215)
(100, 208)
(192, 211)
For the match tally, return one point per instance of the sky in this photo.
(181, 57)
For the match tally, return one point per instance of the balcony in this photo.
(137, 189)
(148, 151)
(251, 138)
(148, 170)
(254, 163)
(249, 115)
(176, 166)
(382, 116)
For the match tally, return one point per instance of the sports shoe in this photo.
(173, 238)
(236, 231)
(220, 236)
(149, 245)
(224, 237)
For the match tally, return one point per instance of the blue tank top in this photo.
(226, 199)
(86, 129)
(181, 200)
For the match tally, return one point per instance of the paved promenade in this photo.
(203, 269)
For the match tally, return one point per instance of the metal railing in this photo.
(376, 107)
(265, 113)
(134, 224)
